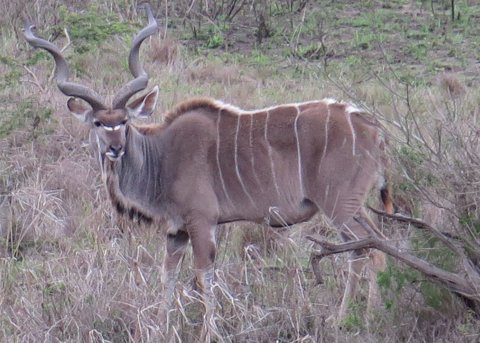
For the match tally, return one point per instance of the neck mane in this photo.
(198, 104)
(133, 182)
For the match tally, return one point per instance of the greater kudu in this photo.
(211, 163)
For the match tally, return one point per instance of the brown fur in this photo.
(212, 163)
(151, 129)
(190, 105)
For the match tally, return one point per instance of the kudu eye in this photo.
(97, 123)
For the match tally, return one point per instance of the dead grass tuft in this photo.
(223, 74)
(164, 51)
(450, 84)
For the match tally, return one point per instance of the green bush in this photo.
(394, 279)
(89, 30)
(25, 113)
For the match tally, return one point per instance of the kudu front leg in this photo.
(175, 250)
(204, 250)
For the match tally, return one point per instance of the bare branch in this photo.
(62, 50)
(422, 225)
(453, 281)
(35, 79)
(68, 41)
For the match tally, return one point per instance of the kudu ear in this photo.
(143, 106)
(78, 109)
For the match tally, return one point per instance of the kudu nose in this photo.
(115, 150)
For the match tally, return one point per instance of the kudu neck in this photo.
(137, 175)
(142, 152)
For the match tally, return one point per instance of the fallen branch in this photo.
(467, 251)
(422, 225)
(454, 282)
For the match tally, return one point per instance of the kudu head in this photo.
(108, 122)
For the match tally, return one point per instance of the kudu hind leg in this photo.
(374, 261)
(355, 265)
(377, 262)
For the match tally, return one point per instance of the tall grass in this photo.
(71, 271)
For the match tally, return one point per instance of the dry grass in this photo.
(164, 51)
(70, 271)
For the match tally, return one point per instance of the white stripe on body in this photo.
(253, 153)
(222, 181)
(213, 237)
(349, 120)
(327, 190)
(329, 101)
(327, 122)
(334, 207)
(270, 156)
(352, 108)
(299, 156)
(237, 169)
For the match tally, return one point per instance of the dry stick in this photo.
(473, 252)
(422, 225)
(166, 21)
(347, 91)
(467, 286)
(52, 74)
(68, 40)
(450, 280)
(35, 79)
(233, 14)
(467, 259)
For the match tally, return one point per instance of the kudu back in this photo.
(210, 163)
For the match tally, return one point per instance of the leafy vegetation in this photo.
(26, 115)
(91, 28)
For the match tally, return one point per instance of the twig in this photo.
(35, 79)
(422, 225)
(190, 7)
(68, 40)
(166, 20)
(52, 74)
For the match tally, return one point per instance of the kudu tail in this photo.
(386, 184)
(386, 195)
